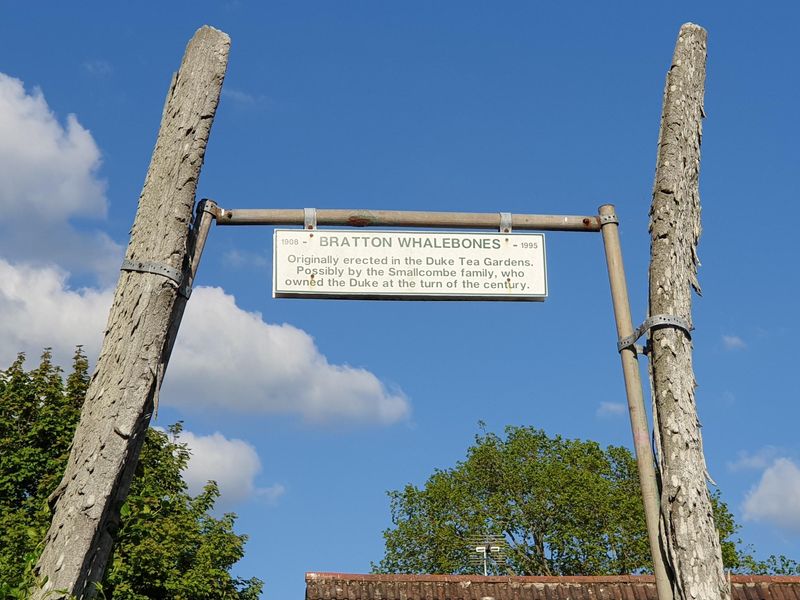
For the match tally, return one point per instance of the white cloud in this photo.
(272, 492)
(225, 358)
(243, 99)
(776, 497)
(234, 464)
(733, 342)
(48, 170)
(608, 409)
(242, 258)
(39, 309)
(231, 358)
(98, 68)
(48, 177)
(760, 459)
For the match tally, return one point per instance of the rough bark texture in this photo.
(136, 346)
(691, 538)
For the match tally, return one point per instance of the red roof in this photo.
(343, 586)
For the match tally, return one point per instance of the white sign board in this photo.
(408, 265)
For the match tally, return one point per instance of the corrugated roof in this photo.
(343, 586)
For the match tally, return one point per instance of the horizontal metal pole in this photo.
(403, 218)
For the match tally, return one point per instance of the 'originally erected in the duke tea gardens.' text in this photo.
(410, 265)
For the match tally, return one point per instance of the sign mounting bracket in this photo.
(505, 222)
(309, 218)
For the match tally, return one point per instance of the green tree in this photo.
(168, 544)
(740, 558)
(773, 565)
(37, 417)
(563, 506)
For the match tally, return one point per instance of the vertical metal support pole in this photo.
(204, 215)
(202, 223)
(633, 390)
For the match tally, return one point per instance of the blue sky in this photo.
(307, 411)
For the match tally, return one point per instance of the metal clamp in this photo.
(656, 321)
(208, 206)
(310, 218)
(505, 222)
(605, 219)
(156, 268)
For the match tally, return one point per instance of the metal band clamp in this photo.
(208, 206)
(605, 219)
(650, 323)
(156, 268)
(505, 222)
(310, 218)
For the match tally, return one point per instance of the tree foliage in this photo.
(38, 413)
(168, 544)
(563, 506)
(773, 565)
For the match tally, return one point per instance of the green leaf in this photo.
(168, 544)
(563, 507)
